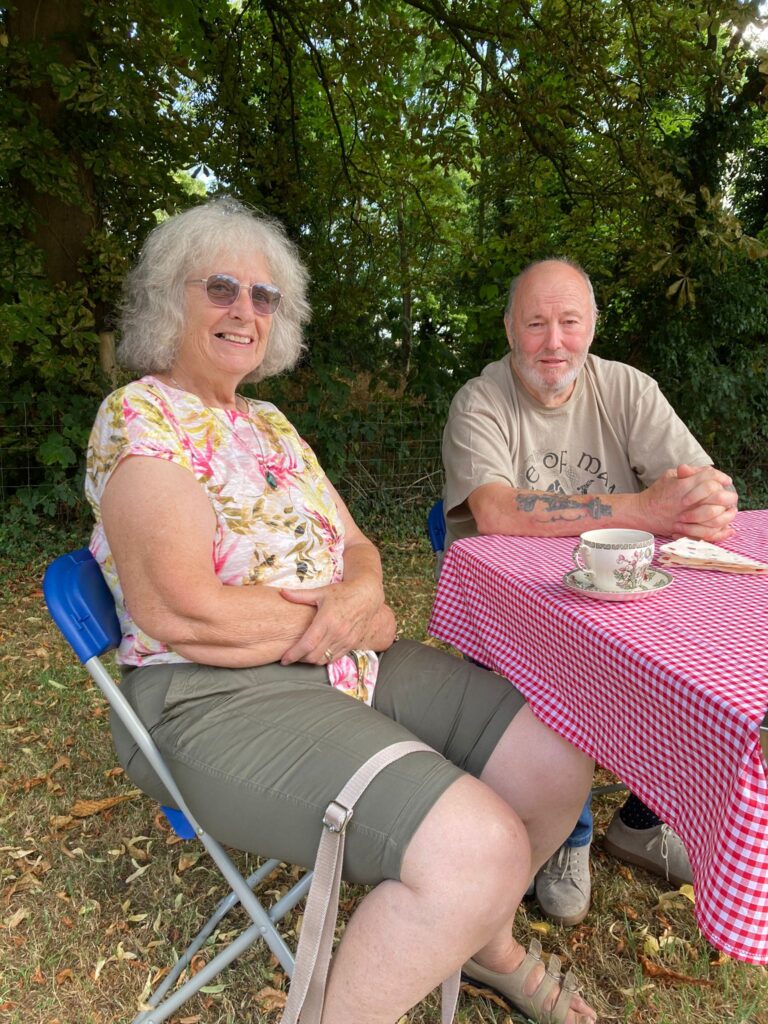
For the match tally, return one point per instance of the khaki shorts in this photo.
(259, 753)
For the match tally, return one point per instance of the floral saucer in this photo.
(655, 580)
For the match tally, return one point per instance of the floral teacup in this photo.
(614, 559)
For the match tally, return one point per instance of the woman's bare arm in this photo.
(160, 528)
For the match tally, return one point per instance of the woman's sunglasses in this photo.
(223, 290)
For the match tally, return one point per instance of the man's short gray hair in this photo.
(531, 266)
(152, 321)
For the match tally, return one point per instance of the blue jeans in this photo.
(582, 832)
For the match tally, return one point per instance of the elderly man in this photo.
(553, 441)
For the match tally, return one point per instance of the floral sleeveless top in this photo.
(276, 521)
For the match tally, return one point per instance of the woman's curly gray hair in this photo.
(152, 321)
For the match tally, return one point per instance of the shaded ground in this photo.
(93, 907)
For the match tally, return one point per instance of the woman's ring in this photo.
(328, 654)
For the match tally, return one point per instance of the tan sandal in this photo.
(512, 987)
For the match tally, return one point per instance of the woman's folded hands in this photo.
(350, 614)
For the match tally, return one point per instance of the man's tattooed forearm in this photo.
(594, 508)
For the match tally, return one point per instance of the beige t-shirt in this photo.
(617, 434)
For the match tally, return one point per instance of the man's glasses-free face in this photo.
(223, 290)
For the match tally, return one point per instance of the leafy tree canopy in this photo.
(421, 152)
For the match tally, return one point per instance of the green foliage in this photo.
(421, 154)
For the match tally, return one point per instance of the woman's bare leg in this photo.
(548, 795)
(463, 875)
(544, 777)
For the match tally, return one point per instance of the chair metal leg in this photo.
(157, 1014)
(162, 1007)
(612, 787)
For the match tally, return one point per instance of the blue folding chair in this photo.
(436, 527)
(83, 608)
(436, 533)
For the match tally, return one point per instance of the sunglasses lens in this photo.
(265, 298)
(222, 290)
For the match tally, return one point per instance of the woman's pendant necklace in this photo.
(269, 476)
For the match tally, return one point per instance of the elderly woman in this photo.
(253, 615)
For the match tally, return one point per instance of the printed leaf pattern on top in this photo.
(276, 521)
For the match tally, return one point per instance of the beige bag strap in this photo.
(306, 994)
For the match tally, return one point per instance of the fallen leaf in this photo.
(20, 854)
(630, 993)
(667, 975)
(197, 963)
(16, 918)
(543, 927)
(65, 975)
(674, 898)
(28, 880)
(136, 851)
(187, 860)
(271, 998)
(86, 808)
(60, 821)
(137, 873)
(37, 977)
(485, 993)
(687, 891)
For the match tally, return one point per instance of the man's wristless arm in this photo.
(498, 508)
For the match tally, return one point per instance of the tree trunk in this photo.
(60, 228)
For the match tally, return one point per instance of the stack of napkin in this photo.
(698, 554)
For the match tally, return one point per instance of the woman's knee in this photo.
(473, 842)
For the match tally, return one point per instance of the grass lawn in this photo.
(95, 903)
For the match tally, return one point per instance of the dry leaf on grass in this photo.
(668, 976)
(86, 808)
(271, 998)
(47, 777)
(188, 860)
(485, 993)
(16, 918)
(137, 852)
(542, 927)
(60, 821)
(675, 898)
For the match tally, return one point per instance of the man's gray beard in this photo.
(532, 378)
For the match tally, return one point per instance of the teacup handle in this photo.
(577, 560)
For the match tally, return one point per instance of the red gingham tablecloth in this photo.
(668, 692)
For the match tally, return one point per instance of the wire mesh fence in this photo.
(390, 455)
(20, 436)
(394, 459)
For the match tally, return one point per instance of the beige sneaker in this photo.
(563, 885)
(657, 849)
